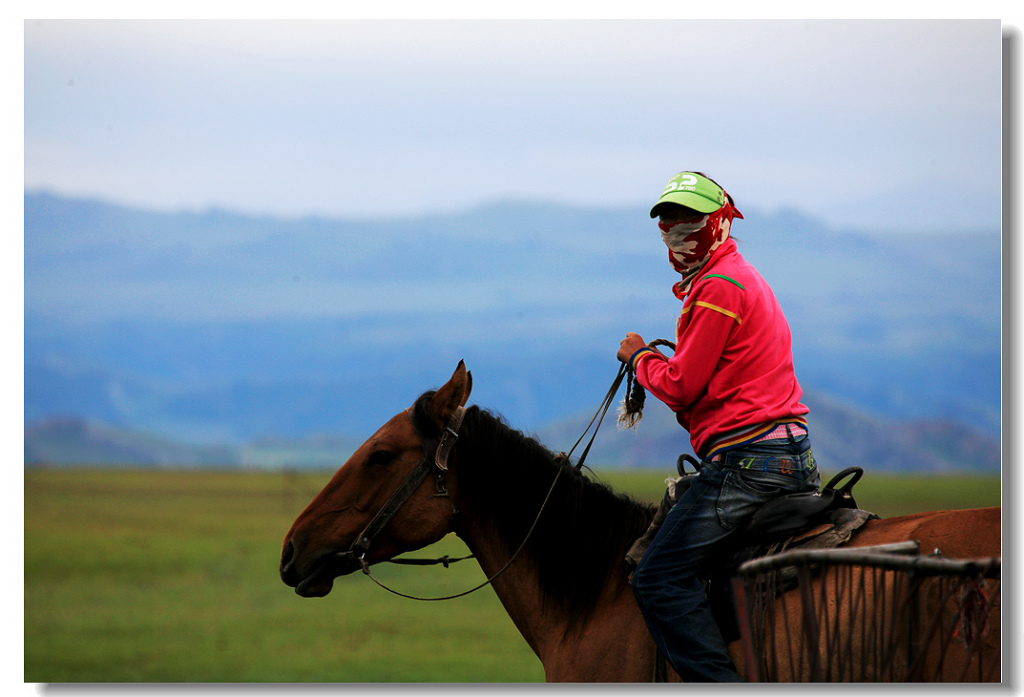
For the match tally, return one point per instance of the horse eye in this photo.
(381, 457)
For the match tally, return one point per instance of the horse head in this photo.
(357, 518)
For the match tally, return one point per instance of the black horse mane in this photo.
(585, 529)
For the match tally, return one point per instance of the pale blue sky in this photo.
(876, 124)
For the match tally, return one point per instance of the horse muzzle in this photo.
(315, 579)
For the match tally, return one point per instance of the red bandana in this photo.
(691, 242)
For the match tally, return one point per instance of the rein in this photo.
(598, 416)
(435, 459)
(435, 455)
(366, 567)
(632, 405)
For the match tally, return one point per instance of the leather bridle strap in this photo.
(434, 458)
(362, 543)
(448, 437)
(366, 567)
(435, 455)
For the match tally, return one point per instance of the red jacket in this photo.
(732, 370)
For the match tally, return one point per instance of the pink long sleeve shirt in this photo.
(731, 378)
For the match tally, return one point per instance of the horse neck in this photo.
(610, 644)
(571, 569)
(517, 586)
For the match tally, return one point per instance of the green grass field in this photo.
(171, 576)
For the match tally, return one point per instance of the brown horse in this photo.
(567, 591)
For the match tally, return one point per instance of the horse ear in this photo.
(454, 394)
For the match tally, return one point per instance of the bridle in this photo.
(435, 460)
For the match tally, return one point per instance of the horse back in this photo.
(960, 534)
(881, 615)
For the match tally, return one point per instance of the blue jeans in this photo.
(718, 502)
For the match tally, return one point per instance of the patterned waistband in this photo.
(774, 430)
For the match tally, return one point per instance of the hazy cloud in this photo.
(884, 123)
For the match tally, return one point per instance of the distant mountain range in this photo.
(259, 341)
(842, 437)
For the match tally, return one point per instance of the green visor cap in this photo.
(693, 191)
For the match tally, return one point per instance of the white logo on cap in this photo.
(686, 182)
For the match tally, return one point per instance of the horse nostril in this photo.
(287, 558)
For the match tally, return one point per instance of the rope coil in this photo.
(631, 409)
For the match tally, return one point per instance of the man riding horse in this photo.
(732, 386)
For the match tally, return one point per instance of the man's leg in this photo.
(670, 593)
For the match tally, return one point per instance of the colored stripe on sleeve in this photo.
(730, 280)
(716, 308)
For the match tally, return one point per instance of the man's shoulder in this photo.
(731, 273)
(732, 265)
(731, 276)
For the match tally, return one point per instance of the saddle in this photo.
(808, 520)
